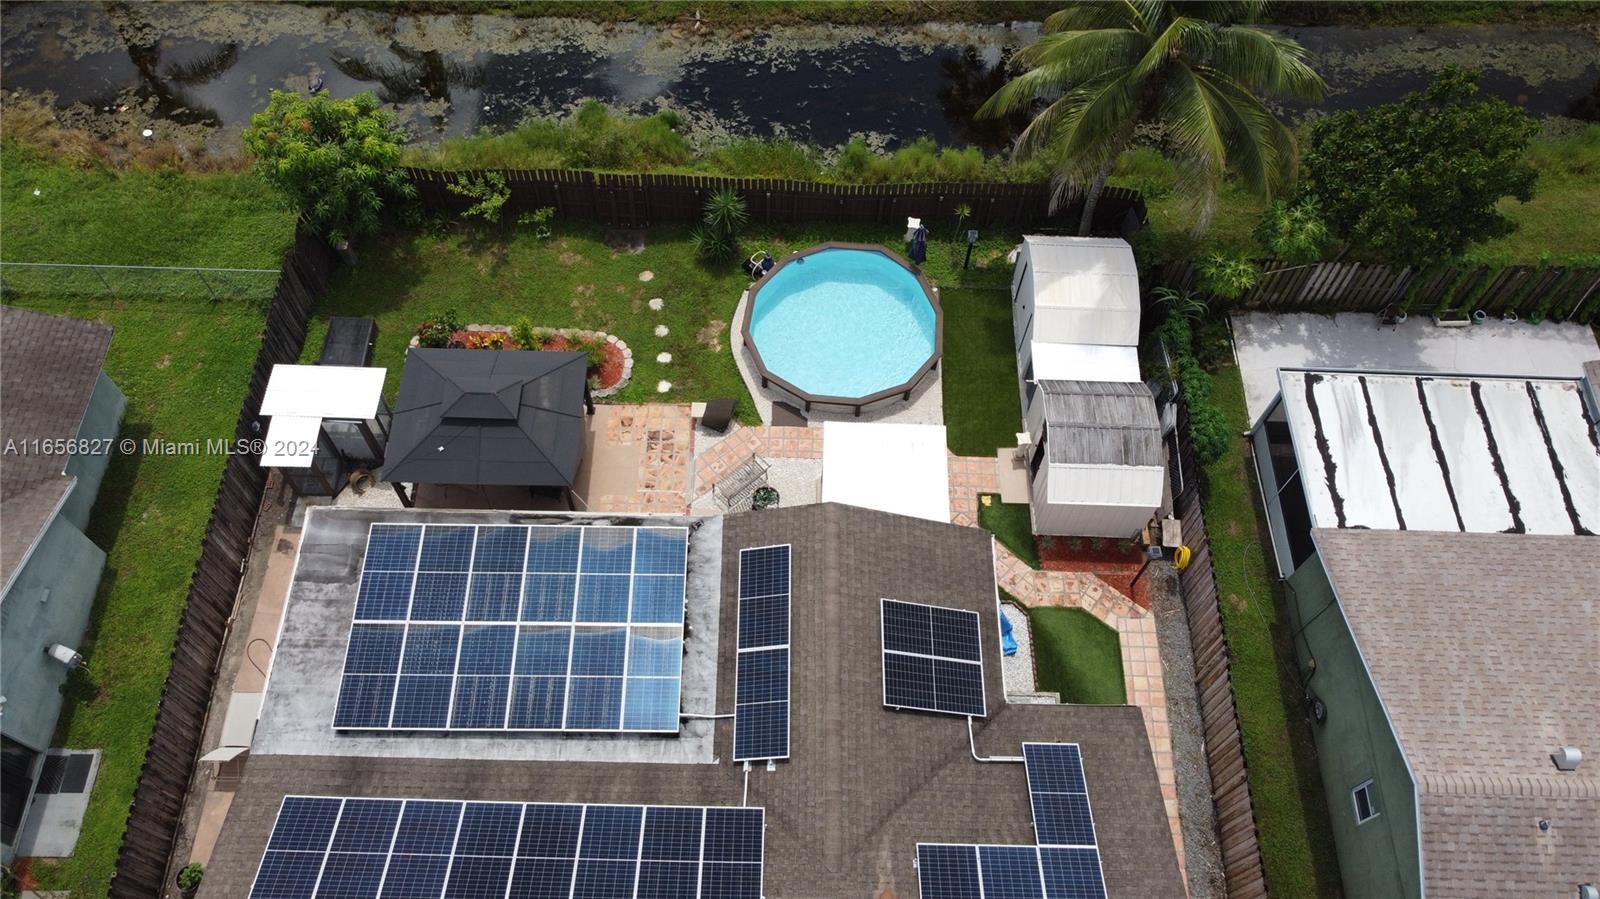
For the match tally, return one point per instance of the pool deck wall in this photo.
(764, 377)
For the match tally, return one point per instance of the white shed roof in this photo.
(324, 391)
(1442, 453)
(900, 468)
(291, 441)
(1084, 362)
(1083, 272)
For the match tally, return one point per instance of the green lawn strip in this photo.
(1561, 224)
(1077, 655)
(1285, 785)
(981, 407)
(98, 216)
(1011, 524)
(495, 276)
(184, 367)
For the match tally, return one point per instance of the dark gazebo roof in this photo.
(488, 417)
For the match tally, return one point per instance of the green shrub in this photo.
(338, 161)
(717, 236)
(435, 332)
(488, 189)
(1209, 431)
(540, 220)
(189, 878)
(1145, 170)
(523, 332)
(1227, 276)
(1296, 233)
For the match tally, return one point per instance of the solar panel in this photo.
(761, 689)
(522, 628)
(932, 659)
(332, 848)
(1059, 794)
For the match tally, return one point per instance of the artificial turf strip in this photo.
(982, 411)
(1076, 655)
(1010, 524)
(1285, 784)
(184, 365)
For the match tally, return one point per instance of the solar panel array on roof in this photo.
(1064, 865)
(480, 627)
(347, 848)
(761, 688)
(932, 659)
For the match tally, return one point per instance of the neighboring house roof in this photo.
(864, 784)
(49, 365)
(1101, 423)
(1444, 452)
(1094, 279)
(488, 417)
(1482, 647)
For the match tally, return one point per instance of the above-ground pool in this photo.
(847, 323)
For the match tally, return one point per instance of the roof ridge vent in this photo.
(1567, 758)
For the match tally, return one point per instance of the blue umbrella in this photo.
(919, 245)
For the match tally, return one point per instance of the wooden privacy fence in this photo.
(1556, 293)
(158, 800)
(639, 201)
(1237, 837)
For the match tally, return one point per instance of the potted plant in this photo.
(764, 498)
(189, 880)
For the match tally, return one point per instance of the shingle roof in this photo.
(1101, 423)
(864, 784)
(49, 365)
(1483, 649)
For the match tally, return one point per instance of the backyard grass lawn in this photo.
(184, 365)
(1011, 524)
(981, 408)
(1285, 786)
(573, 279)
(1077, 655)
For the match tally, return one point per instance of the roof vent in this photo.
(1568, 759)
(1588, 891)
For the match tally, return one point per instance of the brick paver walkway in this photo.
(969, 477)
(666, 435)
(744, 442)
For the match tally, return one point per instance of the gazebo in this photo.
(489, 418)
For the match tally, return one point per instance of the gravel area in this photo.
(1018, 669)
(1202, 857)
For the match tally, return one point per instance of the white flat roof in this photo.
(1443, 453)
(1084, 362)
(324, 391)
(291, 441)
(900, 468)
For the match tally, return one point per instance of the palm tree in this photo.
(1197, 70)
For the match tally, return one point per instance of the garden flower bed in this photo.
(610, 359)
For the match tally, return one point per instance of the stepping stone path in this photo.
(647, 275)
(656, 302)
(661, 330)
(663, 358)
(663, 386)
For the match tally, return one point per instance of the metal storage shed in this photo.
(1076, 290)
(1099, 468)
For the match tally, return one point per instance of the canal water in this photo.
(210, 65)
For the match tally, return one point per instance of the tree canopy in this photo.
(338, 161)
(1196, 70)
(1417, 181)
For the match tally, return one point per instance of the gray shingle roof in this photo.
(1101, 423)
(49, 365)
(864, 784)
(1483, 649)
(488, 417)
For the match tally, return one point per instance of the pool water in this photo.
(843, 323)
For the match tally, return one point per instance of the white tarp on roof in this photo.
(324, 391)
(1084, 362)
(1419, 452)
(1085, 289)
(900, 468)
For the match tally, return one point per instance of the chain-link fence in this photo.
(138, 281)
